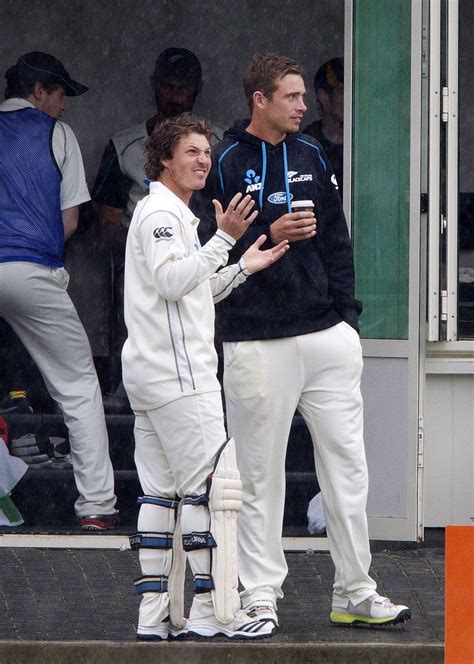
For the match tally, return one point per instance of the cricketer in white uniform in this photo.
(42, 184)
(169, 372)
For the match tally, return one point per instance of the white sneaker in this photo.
(262, 609)
(375, 610)
(241, 627)
(161, 632)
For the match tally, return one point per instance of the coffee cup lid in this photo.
(302, 204)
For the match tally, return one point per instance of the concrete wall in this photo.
(111, 46)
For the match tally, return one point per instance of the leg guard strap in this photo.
(170, 503)
(203, 499)
(151, 584)
(151, 541)
(198, 540)
(203, 583)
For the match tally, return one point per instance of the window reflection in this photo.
(466, 174)
(45, 495)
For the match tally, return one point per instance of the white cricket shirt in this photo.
(170, 284)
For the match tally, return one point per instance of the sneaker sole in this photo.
(233, 637)
(173, 634)
(205, 633)
(347, 620)
(151, 637)
(178, 635)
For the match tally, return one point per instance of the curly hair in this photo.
(264, 72)
(165, 137)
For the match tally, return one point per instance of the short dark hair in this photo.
(177, 63)
(21, 82)
(264, 72)
(165, 137)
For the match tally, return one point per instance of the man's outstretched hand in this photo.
(238, 216)
(256, 259)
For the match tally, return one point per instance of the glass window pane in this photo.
(466, 174)
(224, 38)
(381, 174)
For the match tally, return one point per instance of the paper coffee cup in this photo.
(302, 206)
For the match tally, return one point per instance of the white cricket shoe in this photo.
(161, 632)
(375, 610)
(241, 627)
(262, 609)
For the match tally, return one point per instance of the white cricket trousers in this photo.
(175, 450)
(264, 383)
(34, 301)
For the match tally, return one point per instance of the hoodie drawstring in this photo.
(264, 173)
(285, 174)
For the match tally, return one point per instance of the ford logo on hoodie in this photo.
(278, 198)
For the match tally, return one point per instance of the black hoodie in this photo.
(311, 287)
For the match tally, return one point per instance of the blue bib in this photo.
(31, 225)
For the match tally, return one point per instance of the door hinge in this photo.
(423, 203)
(421, 443)
(442, 224)
(444, 305)
(445, 105)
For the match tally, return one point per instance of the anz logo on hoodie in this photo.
(256, 186)
(253, 181)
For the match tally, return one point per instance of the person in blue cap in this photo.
(42, 185)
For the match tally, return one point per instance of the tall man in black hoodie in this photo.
(290, 341)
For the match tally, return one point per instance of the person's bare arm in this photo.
(112, 231)
(70, 221)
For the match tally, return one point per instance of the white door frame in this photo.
(409, 527)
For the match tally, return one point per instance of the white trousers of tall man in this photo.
(264, 383)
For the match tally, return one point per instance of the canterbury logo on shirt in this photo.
(163, 233)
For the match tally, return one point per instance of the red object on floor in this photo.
(4, 430)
